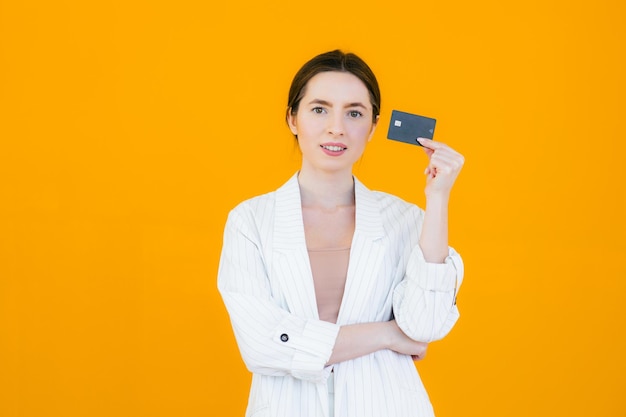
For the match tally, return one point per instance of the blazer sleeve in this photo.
(424, 302)
(272, 341)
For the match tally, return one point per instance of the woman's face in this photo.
(334, 121)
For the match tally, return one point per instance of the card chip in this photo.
(397, 123)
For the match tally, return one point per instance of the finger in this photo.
(419, 356)
(432, 147)
(446, 164)
(439, 159)
(431, 144)
(448, 152)
(448, 155)
(437, 168)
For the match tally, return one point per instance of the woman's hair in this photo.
(334, 61)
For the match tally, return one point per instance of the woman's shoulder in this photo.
(256, 216)
(287, 192)
(255, 205)
(389, 202)
(394, 207)
(388, 199)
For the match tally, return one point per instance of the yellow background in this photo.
(129, 129)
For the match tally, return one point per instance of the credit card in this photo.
(407, 127)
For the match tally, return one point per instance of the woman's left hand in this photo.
(443, 168)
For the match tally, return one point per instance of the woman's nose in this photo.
(335, 125)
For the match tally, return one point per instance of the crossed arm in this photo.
(361, 339)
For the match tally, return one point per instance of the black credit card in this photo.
(407, 127)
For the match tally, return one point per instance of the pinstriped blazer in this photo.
(266, 283)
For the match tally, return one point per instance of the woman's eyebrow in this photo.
(320, 101)
(356, 104)
(327, 103)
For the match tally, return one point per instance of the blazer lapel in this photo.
(290, 261)
(366, 256)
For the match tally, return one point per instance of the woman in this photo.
(333, 289)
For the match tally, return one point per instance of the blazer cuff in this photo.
(313, 343)
(433, 276)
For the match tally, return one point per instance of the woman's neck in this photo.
(326, 191)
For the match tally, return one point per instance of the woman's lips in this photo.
(333, 149)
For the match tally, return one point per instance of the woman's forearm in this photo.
(356, 340)
(434, 238)
(443, 168)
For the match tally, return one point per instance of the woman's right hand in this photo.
(401, 343)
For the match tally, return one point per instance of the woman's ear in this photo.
(291, 121)
(374, 124)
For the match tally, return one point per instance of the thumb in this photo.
(427, 151)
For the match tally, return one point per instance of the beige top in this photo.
(330, 269)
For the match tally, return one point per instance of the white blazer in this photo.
(266, 283)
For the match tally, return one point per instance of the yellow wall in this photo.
(127, 132)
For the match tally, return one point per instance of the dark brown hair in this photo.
(334, 61)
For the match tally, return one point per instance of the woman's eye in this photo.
(318, 110)
(355, 114)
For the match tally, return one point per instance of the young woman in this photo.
(333, 289)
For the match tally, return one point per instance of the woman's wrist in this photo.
(438, 198)
(389, 334)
